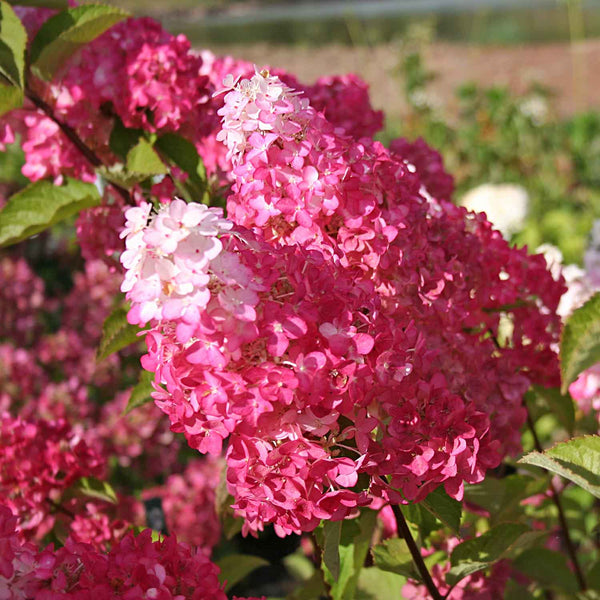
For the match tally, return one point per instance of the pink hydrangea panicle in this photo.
(39, 460)
(134, 567)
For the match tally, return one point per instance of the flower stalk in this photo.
(404, 532)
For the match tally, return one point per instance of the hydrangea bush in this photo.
(227, 308)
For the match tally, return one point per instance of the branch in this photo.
(60, 508)
(561, 513)
(404, 532)
(72, 135)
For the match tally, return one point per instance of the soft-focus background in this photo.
(505, 89)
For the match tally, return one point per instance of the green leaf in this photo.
(548, 568)
(394, 556)
(310, 589)
(230, 524)
(354, 543)
(65, 33)
(143, 159)
(11, 97)
(418, 515)
(13, 41)
(515, 591)
(502, 497)
(155, 536)
(559, 404)
(375, 584)
(123, 139)
(41, 205)
(332, 532)
(577, 460)
(477, 553)
(94, 488)
(593, 576)
(140, 394)
(234, 567)
(117, 333)
(445, 509)
(183, 154)
(580, 341)
(299, 566)
(119, 175)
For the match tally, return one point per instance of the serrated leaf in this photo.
(234, 567)
(41, 205)
(141, 393)
(183, 154)
(65, 33)
(580, 342)
(143, 159)
(394, 556)
(477, 553)
(117, 333)
(13, 41)
(94, 488)
(548, 568)
(445, 509)
(577, 460)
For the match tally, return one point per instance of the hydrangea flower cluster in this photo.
(39, 460)
(137, 567)
(149, 77)
(349, 332)
(21, 300)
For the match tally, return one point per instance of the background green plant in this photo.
(498, 136)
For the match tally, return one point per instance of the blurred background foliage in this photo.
(502, 137)
(333, 21)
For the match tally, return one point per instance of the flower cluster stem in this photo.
(404, 532)
(561, 513)
(72, 135)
